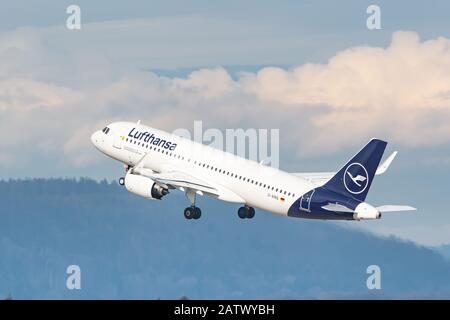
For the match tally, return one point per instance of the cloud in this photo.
(400, 92)
(62, 86)
(206, 83)
(25, 95)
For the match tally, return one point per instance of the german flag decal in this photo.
(282, 199)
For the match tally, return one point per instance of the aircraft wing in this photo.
(173, 178)
(320, 178)
(177, 179)
(316, 178)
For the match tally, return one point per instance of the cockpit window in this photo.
(105, 130)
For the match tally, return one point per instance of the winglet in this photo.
(382, 168)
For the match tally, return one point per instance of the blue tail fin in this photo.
(355, 178)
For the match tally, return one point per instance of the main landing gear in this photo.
(246, 212)
(192, 212)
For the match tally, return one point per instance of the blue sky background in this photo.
(137, 60)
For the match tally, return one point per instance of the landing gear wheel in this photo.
(246, 212)
(189, 213)
(122, 181)
(198, 213)
(250, 213)
(192, 213)
(242, 212)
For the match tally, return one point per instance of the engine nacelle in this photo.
(144, 187)
(365, 211)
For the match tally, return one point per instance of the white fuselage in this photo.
(244, 181)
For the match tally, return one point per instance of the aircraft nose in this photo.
(95, 138)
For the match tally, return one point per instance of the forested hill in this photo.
(128, 247)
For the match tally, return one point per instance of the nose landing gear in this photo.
(122, 179)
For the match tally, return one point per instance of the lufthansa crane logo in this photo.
(356, 178)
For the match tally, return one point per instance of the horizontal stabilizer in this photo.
(336, 208)
(386, 208)
(395, 208)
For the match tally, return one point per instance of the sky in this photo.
(311, 69)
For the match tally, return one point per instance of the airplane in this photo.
(157, 162)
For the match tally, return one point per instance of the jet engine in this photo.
(144, 187)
